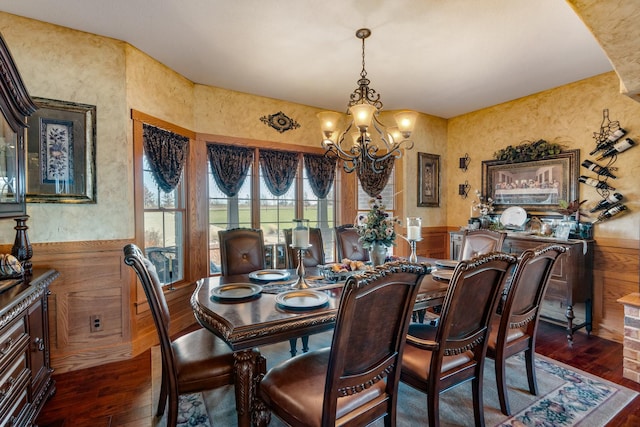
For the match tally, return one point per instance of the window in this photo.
(164, 215)
(271, 213)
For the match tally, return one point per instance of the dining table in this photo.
(261, 319)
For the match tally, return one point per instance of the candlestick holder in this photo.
(21, 248)
(301, 283)
(413, 257)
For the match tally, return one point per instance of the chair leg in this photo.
(478, 409)
(501, 385)
(433, 408)
(292, 346)
(529, 357)
(305, 343)
(162, 401)
(172, 416)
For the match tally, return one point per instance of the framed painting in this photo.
(536, 186)
(428, 180)
(61, 147)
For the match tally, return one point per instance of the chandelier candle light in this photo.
(300, 242)
(358, 146)
(414, 234)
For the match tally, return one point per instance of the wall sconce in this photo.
(463, 189)
(464, 162)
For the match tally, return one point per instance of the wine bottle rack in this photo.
(610, 134)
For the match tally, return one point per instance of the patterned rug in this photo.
(567, 397)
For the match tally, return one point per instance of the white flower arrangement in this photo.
(482, 205)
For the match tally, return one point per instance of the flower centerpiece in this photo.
(484, 206)
(377, 228)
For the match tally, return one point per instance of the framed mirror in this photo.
(16, 105)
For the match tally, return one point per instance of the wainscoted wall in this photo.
(94, 280)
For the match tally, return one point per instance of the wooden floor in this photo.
(119, 394)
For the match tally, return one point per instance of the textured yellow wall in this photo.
(74, 66)
(68, 65)
(569, 115)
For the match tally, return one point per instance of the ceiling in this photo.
(443, 58)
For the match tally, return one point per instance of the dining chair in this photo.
(348, 244)
(313, 256)
(355, 380)
(241, 251)
(194, 362)
(438, 358)
(480, 242)
(514, 329)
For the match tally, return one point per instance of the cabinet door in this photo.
(38, 356)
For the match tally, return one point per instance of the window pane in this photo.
(164, 228)
(276, 212)
(225, 213)
(163, 244)
(321, 214)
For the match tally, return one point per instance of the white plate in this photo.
(447, 263)
(303, 299)
(445, 275)
(269, 275)
(235, 291)
(514, 216)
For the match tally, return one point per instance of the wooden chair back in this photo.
(480, 242)
(514, 329)
(313, 256)
(348, 244)
(437, 359)
(241, 251)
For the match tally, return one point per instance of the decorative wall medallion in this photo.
(280, 122)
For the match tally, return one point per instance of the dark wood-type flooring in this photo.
(119, 394)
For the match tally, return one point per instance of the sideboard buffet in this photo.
(25, 371)
(571, 284)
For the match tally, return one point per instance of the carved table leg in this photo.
(245, 368)
(570, 317)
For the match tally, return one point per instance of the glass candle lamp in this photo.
(300, 233)
(414, 228)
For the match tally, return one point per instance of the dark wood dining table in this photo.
(251, 323)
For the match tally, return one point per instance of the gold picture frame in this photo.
(61, 149)
(536, 186)
(428, 180)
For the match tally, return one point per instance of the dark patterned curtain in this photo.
(373, 183)
(167, 153)
(230, 165)
(321, 171)
(279, 169)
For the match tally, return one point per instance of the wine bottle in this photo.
(618, 147)
(611, 212)
(600, 170)
(595, 183)
(607, 203)
(611, 139)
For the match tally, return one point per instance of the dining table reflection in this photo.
(261, 319)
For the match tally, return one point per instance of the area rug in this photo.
(567, 397)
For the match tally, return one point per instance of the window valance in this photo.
(321, 172)
(167, 153)
(279, 169)
(229, 165)
(373, 183)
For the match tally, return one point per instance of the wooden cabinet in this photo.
(569, 297)
(25, 371)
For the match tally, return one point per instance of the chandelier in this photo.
(366, 141)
